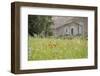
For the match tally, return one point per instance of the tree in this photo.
(38, 24)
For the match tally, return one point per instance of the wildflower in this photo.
(52, 45)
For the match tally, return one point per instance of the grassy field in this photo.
(51, 48)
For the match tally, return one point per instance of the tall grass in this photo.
(52, 48)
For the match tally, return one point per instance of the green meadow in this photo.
(57, 48)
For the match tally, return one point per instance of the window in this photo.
(66, 30)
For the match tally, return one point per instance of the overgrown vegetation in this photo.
(39, 25)
(52, 48)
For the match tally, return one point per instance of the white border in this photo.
(25, 64)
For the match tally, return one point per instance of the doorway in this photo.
(72, 31)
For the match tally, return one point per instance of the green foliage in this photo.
(52, 48)
(39, 24)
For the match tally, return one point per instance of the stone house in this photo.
(70, 26)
